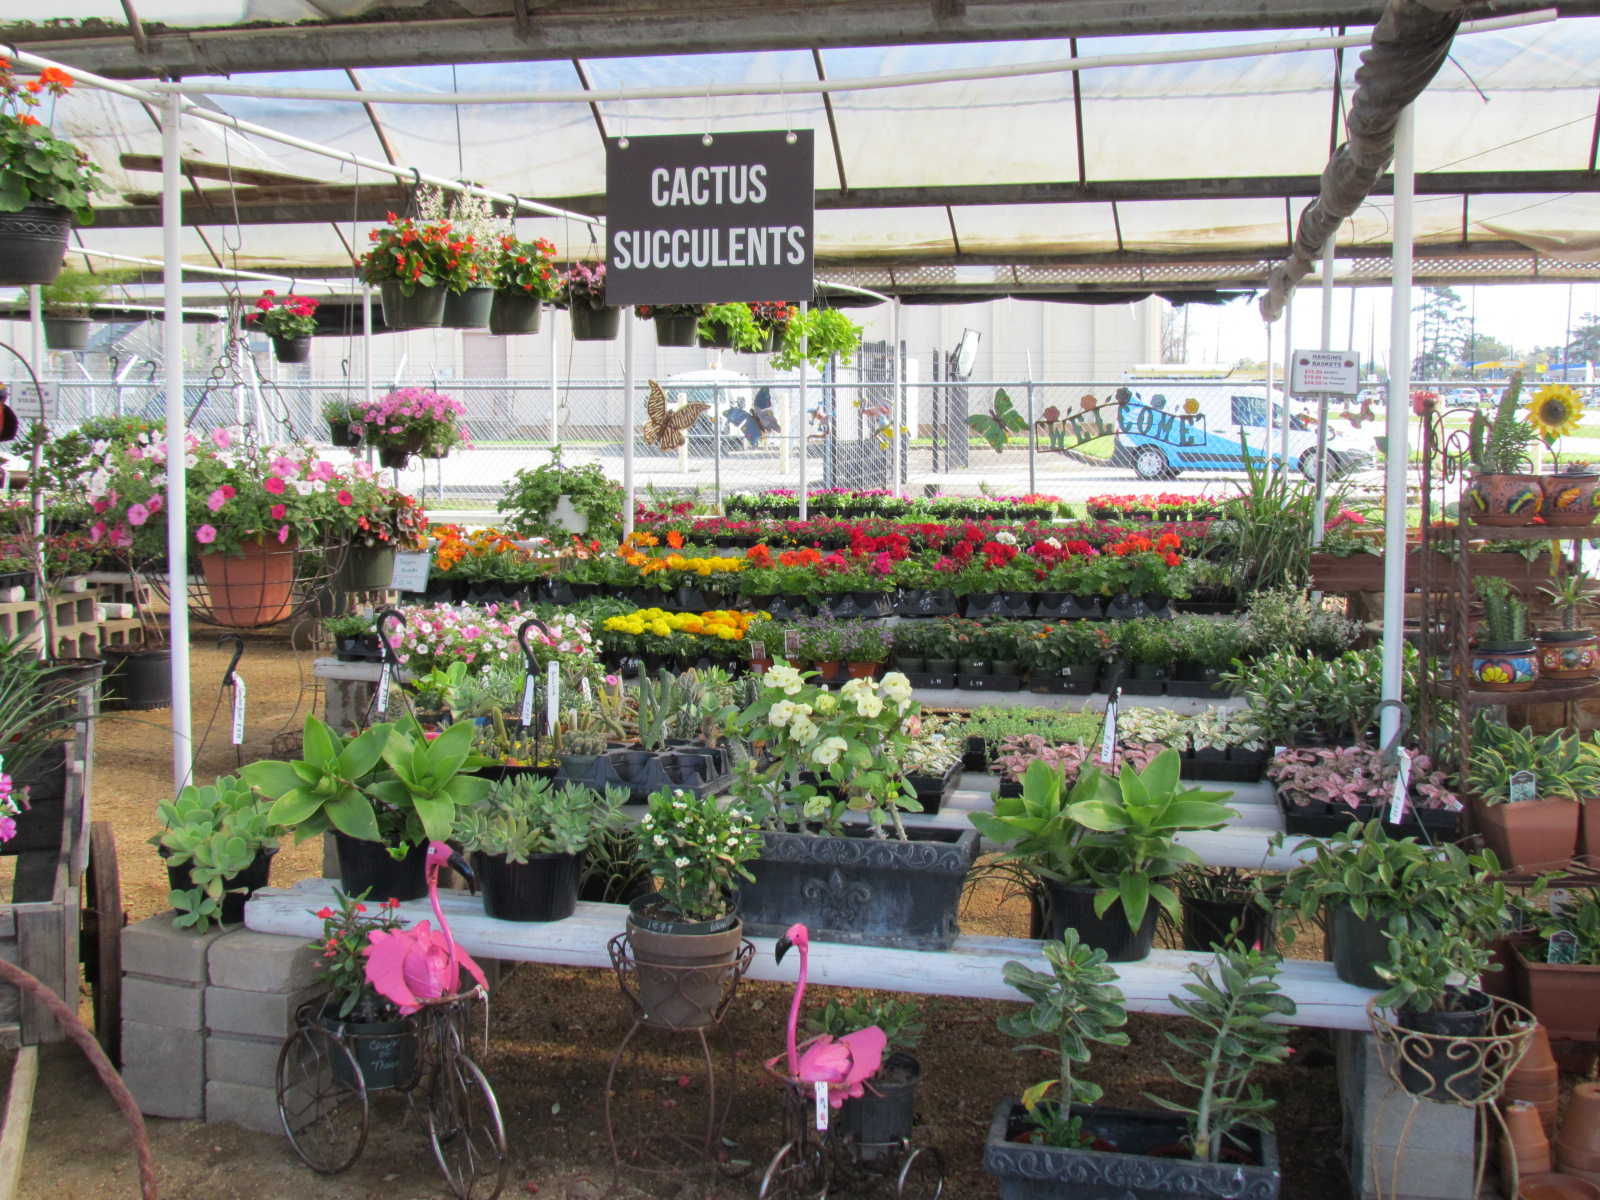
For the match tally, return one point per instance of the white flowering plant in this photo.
(829, 754)
(696, 848)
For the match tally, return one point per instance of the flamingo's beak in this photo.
(458, 862)
(782, 948)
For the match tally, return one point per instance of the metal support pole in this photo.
(1288, 374)
(177, 448)
(716, 443)
(897, 406)
(1394, 506)
(555, 386)
(1033, 441)
(36, 334)
(1266, 432)
(366, 344)
(627, 420)
(1318, 516)
(803, 424)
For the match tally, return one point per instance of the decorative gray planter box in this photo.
(1027, 1172)
(860, 889)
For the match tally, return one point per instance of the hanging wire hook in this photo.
(382, 618)
(238, 653)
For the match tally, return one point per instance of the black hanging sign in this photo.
(692, 223)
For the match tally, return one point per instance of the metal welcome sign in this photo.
(1066, 431)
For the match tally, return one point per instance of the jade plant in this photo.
(1071, 1009)
(1500, 445)
(216, 832)
(899, 1018)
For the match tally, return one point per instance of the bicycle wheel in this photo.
(464, 1127)
(922, 1176)
(322, 1100)
(798, 1171)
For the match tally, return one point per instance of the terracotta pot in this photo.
(1569, 499)
(1536, 1080)
(861, 670)
(252, 589)
(1554, 1186)
(1569, 654)
(1524, 1144)
(1503, 500)
(1577, 1146)
(683, 977)
(1530, 833)
(827, 669)
(1512, 667)
(1589, 827)
(1563, 998)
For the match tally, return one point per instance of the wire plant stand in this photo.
(292, 581)
(324, 1098)
(1468, 1072)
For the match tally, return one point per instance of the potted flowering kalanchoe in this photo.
(837, 856)
(411, 421)
(289, 321)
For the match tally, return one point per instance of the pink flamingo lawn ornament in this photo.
(412, 966)
(844, 1064)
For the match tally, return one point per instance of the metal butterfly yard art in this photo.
(664, 429)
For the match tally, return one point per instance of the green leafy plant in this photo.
(74, 293)
(1231, 999)
(1505, 615)
(1579, 916)
(900, 1020)
(348, 626)
(525, 268)
(1500, 445)
(36, 166)
(696, 847)
(1433, 971)
(996, 427)
(825, 332)
(526, 815)
(1563, 766)
(735, 323)
(1071, 1009)
(1574, 593)
(216, 831)
(529, 503)
(342, 959)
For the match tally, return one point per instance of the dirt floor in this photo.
(553, 1032)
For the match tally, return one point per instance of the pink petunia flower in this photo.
(283, 466)
(96, 532)
(155, 503)
(216, 500)
(228, 491)
(274, 485)
(221, 439)
(138, 514)
(345, 498)
(278, 511)
(324, 472)
(205, 535)
(283, 533)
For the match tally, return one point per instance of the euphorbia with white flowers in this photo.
(852, 743)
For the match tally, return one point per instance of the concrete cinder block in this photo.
(157, 1002)
(243, 1104)
(258, 1014)
(164, 1068)
(248, 1060)
(262, 962)
(156, 948)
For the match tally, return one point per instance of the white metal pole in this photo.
(1266, 431)
(801, 425)
(1288, 374)
(36, 333)
(897, 399)
(366, 344)
(177, 448)
(1394, 507)
(555, 386)
(627, 420)
(1318, 517)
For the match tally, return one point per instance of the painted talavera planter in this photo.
(1511, 667)
(1569, 654)
(1504, 500)
(861, 890)
(1570, 499)
(1130, 1171)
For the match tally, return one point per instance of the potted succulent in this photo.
(354, 638)
(1217, 1143)
(524, 280)
(46, 182)
(217, 844)
(1503, 657)
(1502, 492)
(880, 1121)
(383, 1042)
(68, 303)
(1573, 651)
(582, 287)
(527, 837)
(1432, 991)
(835, 763)
(1556, 411)
(1527, 824)
(289, 321)
(685, 935)
(383, 794)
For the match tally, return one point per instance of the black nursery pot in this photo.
(367, 868)
(545, 888)
(1072, 907)
(1438, 1070)
(1208, 923)
(251, 879)
(1356, 944)
(880, 1121)
(137, 678)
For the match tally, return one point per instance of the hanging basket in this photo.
(595, 324)
(423, 309)
(266, 585)
(514, 312)
(721, 338)
(32, 243)
(675, 330)
(339, 434)
(468, 309)
(292, 350)
(67, 333)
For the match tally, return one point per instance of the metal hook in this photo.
(238, 653)
(379, 620)
(522, 640)
(1391, 751)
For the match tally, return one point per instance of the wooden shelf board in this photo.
(1543, 693)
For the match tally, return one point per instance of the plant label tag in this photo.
(1524, 787)
(1108, 740)
(238, 709)
(758, 650)
(791, 643)
(585, 690)
(527, 701)
(1560, 899)
(1402, 788)
(383, 691)
(1562, 948)
(821, 1089)
(410, 572)
(552, 699)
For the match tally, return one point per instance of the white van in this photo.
(1167, 427)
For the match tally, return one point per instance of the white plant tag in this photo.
(1524, 787)
(1402, 788)
(383, 691)
(585, 690)
(527, 701)
(238, 709)
(791, 643)
(552, 699)
(821, 1088)
(1108, 742)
